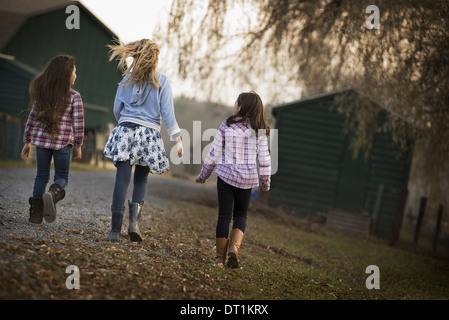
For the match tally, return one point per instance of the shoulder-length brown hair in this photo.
(49, 91)
(251, 109)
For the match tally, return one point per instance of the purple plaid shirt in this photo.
(71, 127)
(235, 153)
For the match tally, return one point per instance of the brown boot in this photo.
(221, 246)
(36, 210)
(234, 246)
(54, 194)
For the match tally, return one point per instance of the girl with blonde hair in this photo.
(143, 98)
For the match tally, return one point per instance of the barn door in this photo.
(353, 182)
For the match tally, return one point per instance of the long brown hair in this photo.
(251, 109)
(49, 91)
(145, 57)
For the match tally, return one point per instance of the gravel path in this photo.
(85, 209)
(174, 261)
(178, 226)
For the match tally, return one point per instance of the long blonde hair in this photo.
(144, 54)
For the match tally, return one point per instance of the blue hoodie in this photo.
(144, 105)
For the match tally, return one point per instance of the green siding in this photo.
(44, 36)
(316, 170)
(14, 101)
(14, 81)
(310, 150)
(391, 168)
(39, 38)
(353, 181)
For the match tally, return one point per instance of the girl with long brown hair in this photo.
(143, 99)
(55, 124)
(240, 145)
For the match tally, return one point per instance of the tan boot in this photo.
(234, 246)
(221, 246)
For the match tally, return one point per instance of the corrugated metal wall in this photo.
(316, 170)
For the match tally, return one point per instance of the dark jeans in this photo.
(61, 159)
(233, 203)
(122, 178)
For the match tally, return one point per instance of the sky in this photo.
(131, 19)
(138, 19)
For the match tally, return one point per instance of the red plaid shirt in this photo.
(71, 127)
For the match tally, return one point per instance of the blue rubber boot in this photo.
(116, 225)
(135, 210)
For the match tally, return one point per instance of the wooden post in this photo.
(437, 229)
(377, 204)
(399, 216)
(422, 208)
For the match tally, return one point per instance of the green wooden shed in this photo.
(33, 33)
(14, 79)
(318, 176)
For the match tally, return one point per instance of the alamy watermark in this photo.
(372, 22)
(373, 281)
(73, 20)
(73, 280)
(238, 149)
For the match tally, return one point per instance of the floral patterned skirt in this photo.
(140, 145)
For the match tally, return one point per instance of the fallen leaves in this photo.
(168, 264)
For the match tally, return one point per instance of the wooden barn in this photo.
(14, 80)
(319, 176)
(32, 33)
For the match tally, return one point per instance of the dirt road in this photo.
(86, 207)
(282, 258)
(178, 221)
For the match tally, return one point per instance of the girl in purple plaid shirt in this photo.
(239, 146)
(55, 124)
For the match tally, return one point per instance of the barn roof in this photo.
(294, 104)
(330, 95)
(18, 64)
(15, 12)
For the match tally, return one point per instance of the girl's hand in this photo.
(26, 151)
(200, 180)
(179, 146)
(78, 152)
